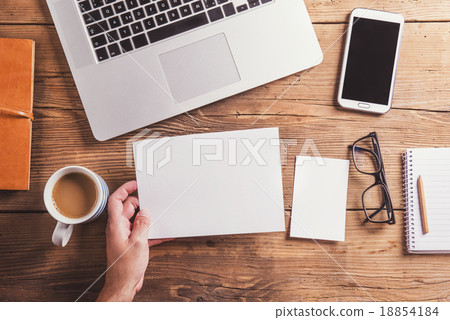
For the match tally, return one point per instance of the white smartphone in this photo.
(370, 60)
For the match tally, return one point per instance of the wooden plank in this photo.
(423, 80)
(62, 137)
(263, 267)
(322, 11)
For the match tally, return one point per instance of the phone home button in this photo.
(364, 105)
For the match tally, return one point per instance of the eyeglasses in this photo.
(376, 199)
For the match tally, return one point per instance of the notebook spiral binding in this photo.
(408, 186)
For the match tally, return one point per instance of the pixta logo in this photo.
(150, 154)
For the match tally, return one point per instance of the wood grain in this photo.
(370, 264)
(264, 267)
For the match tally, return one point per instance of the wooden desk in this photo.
(371, 264)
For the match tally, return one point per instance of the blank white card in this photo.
(211, 184)
(320, 198)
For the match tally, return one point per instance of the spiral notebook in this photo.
(433, 165)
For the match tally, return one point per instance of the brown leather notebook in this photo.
(16, 107)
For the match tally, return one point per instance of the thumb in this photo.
(141, 227)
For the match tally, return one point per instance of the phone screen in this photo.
(371, 60)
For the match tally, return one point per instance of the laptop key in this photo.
(253, 3)
(126, 45)
(178, 27)
(131, 4)
(215, 14)
(241, 8)
(113, 36)
(97, 28)
(265, 1)
(175, 3)
(95, 15)
(138, 14)
(104, 25)
(99, 41)
(85, 6)
(143, 2)
(140, 41)
(185, 11)
(197, 6)
(125, 32)
(151, 9)
(137, 27)
(107, 11)
(173, 15)
(209, 3)
(114, 50)
(97, 3)
(126, 18)
(221, 1)
(114, 22)
(163, 5)
(119, 7)
(102, 54)
(87, 18)
(109, 1)
(161, 19)
(149, 23)
(92, 17)
(229, 9)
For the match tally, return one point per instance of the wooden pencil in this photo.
(423, 207)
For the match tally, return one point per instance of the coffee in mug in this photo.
(74, 195)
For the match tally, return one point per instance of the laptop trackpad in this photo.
(199, 67)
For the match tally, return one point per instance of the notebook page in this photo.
(433, 164)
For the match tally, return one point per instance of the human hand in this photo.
(127, 246)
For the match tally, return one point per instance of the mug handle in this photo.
(61, 234)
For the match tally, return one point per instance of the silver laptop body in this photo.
(137, 62)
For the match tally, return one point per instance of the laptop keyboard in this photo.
(116, 27)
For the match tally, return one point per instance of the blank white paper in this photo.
(320, 198)
(211, 184)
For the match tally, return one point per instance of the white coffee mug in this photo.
(64, 227)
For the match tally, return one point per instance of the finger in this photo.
(129, 206)
(115, 202)
(122, 193)
(141, 226)
(118, 228)
(139, 284)
(154, 242)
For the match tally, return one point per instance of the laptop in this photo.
(137, 62)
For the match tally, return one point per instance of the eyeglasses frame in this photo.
(380, 179)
